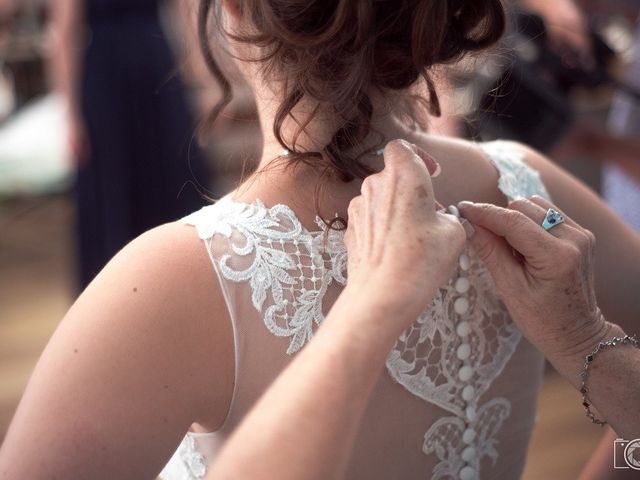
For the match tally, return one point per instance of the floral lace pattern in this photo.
(289, 265)
(493, 339)
(517, 179)
(290, 268)
(187, 462)
(449, 438)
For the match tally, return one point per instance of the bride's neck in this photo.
(274, 183)
(321, 127)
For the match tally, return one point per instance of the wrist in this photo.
(402, 300)
(570, 361)
(369, 317)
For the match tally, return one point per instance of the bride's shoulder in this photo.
(160, 288)
(166, 255)
(140, 351)
(479, 157)
(487, 171)
(165, 272)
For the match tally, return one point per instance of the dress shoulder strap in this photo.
(517, 179)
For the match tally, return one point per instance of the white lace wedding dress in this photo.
(459, 399)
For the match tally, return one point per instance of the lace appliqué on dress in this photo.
(490, 339)
(517, 179)
(452, 441)
(193, 460)
(187, 462)
(282, 261)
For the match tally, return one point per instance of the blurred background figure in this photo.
(621, 189)
(130, 129)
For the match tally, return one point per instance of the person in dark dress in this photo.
(131, 128)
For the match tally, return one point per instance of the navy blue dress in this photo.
(143, 159)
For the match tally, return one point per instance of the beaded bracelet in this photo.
(614, 342)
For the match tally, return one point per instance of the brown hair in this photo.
(336, 51)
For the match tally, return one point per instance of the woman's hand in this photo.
(400, 248)
(545, 277)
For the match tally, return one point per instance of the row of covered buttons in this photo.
(465, 373)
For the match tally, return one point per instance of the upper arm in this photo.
(617, 245)
(146, 350)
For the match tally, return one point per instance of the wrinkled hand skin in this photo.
(548, 286)
(400, 248)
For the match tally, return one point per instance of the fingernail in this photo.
(438, 170)
(463, 205)
(432, 165)
(405, 144)
(468, 228)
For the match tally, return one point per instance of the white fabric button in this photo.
(462, 285)
(463, 329)
(465, 373)
(461, 305)
(468, 392)
(469, 436)
(468, 454)
(464, 351)
(467, 473)
(464, 262)
(471, 414)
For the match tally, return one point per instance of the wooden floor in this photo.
(35, 291)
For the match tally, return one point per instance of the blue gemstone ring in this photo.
(551, 219)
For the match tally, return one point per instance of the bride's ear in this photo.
(233, 8)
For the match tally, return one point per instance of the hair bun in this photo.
(335, 50)
(424, 33)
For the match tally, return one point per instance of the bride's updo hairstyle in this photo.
(337, 51)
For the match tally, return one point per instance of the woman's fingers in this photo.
(537, 214)
(552, 251)
(412, 173)
(397, 233)
(546, 205)
(520, 231)
(495, 253)
(537, 208)
(404, 147)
